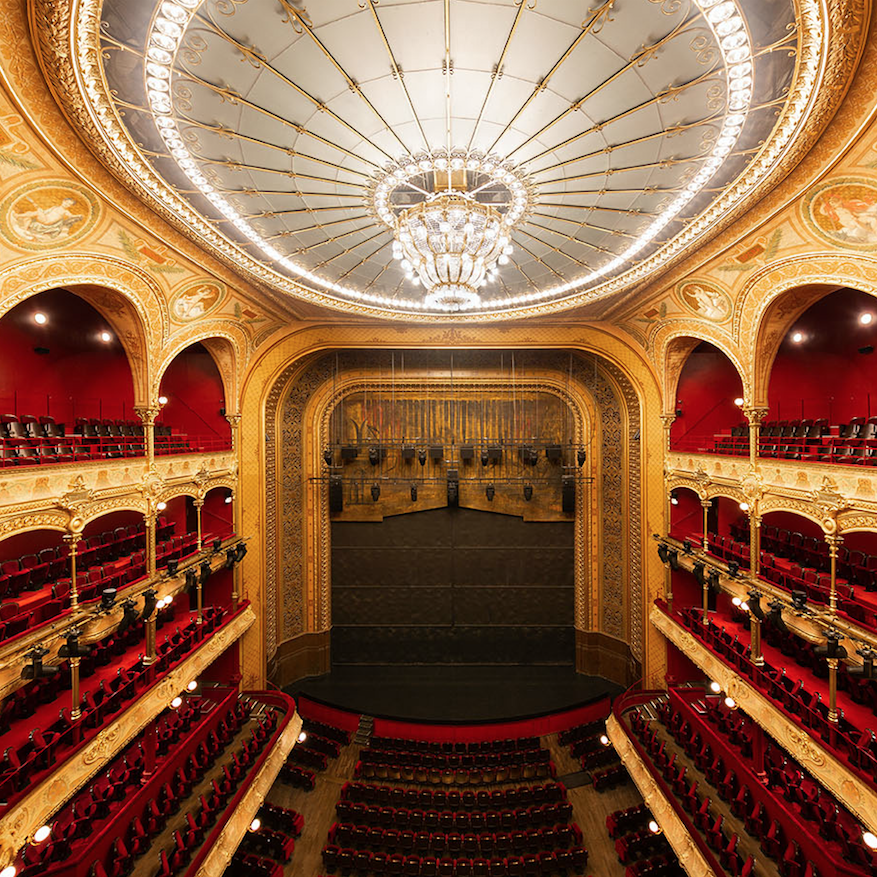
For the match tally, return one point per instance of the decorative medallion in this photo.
(844, 212)
(196, 299)
(705, 298)
(47, 214)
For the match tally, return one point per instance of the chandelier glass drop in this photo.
(452, 217)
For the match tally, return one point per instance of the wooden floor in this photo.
(590, 809)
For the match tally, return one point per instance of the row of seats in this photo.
(561, 836)
(569, 736)
(640, 844)
(245, 864)
(398, 864)
(700, 808)
(793, 791)
(460, 777)
(323, 729)
(297, 777)
(630, 819)
(664, 865)
(234, 772)
(443, 760)
(609, 778)
(399, 744)
(427, 799)
(535, 816)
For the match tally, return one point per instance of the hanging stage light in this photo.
(149, 603)
(217, 544)
(528, 492)
(484, 457)
(490, 492)
(453, 488)
(374, 455)
(328, 457)
(191, 580)
(581, 456)
(129, 616)
(204, 572)
(421, 456)
(230, 558)
(240, 551)
(34, 668)
(172, 567)
(376, 492)
(107, 598)
(336, 494)
(72, 648)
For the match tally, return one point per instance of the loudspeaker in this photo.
(568, 494)
(467, 452)
(336, 495)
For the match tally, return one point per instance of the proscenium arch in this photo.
(292, 350)
(129, 299)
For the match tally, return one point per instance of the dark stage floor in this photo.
(454, 693)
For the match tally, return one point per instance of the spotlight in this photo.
(161, 506)
(421, 456)
(730, 703)
(713, 580)
(663, 552)
(733, 568)
(407, 452)
(604, 739)
(256, 824)
(204, 572)
(581, 456)
(413, 493)
(797, 337)
(715, 688)
(376, 492)
(484, 457)
(229, 499)
(172, 567)
(217, 543)
(755, 605)
(327, 456)
(40, 318)
(739, 401)
(686, 546)
(192, 685)
(107, 598)
(129, 616)
(374, 455)
(654, 828)
(528, 492)
(799, 601)
(149, 603)
(72, 647)
(35, 669)
(302, 737)
(866, 671)
(41, 834)
(490, 492)
(866, 319)
(162, 400)
(673, 558)
(176, 703)
(832, 647)
(240, 551)
(870, 840)
(230, 557)
(191, 580)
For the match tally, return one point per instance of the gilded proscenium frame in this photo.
(825, 767)
(821, 58)
(587, 430)
(37, 807)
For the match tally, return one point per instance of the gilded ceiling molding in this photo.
(777, 295)
(830, 45)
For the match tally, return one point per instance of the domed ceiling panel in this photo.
(425, 158)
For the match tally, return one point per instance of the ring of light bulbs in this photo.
(724, 17)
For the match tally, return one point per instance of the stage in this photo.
(455, 693)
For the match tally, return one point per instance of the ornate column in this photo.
(667, 420)
(754, 543)
(147, 415)
(706, 504)
(199, 504)
(150, 519)
(706, 602)
(832, 689)
(76, 710)
(834, 542)
(754, 415)
(72, 539)
(149, 624)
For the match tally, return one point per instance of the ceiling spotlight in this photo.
(302, 737)
(192, 685)
(256, 824)
(797, 337)
(177, 702)
(106, 337)
(870, 840)
(42, 833)
(162, 400)
(40, 319)
(376, 492)
(604, 739)
(739, 401)
(715, 688)
(866, 319)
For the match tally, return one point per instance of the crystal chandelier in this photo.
(452, 216)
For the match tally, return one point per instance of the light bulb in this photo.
(41, 319)
(654, 828)
(604, 739)
(161, 506)
(870, 840)
(744, 506)
(256, 824)
(739, 401)
(736, 601)
(192, 686)
(797, 337)
(162, 400)
(229, 500)
(730, 703)
(177, 702)
(715, 688)
(8, 871)
(105, 336)
(866, 319)
(302, 737)
(42, 833)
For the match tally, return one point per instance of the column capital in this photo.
(72, 538)
(755, 414)
(147, 413)
(706, 503)
(668, 420)
(834, 540)
(234, 420)
(198, 502)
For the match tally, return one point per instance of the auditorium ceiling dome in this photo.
(449, 159)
